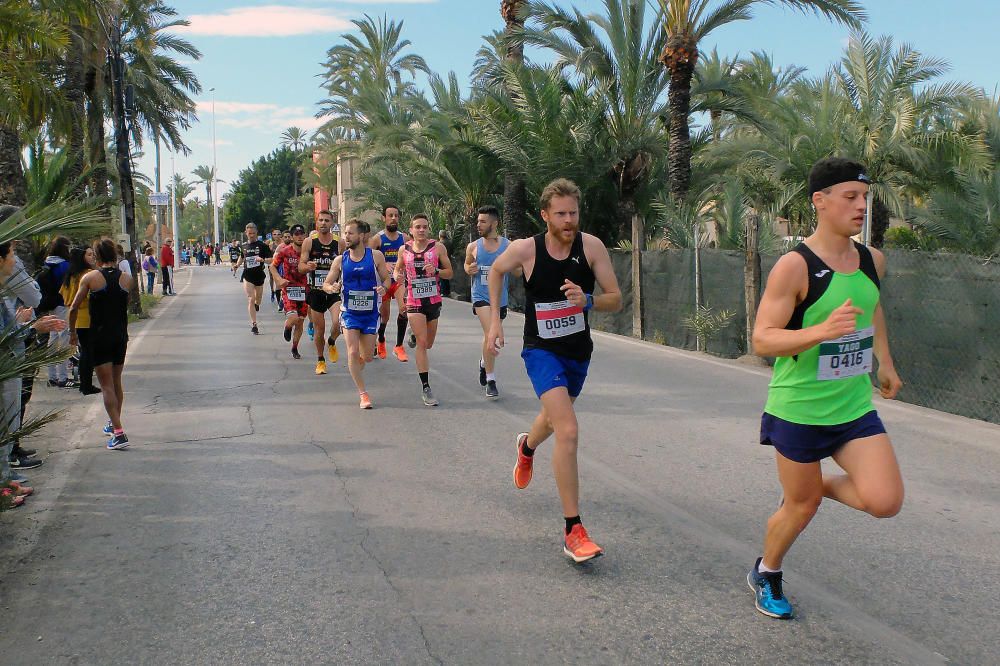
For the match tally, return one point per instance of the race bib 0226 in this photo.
(559, 319)
(848, 356)
(361, 301)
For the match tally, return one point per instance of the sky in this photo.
(263, 57)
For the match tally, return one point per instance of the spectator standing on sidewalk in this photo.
(82, 260)
(167, 266)
(50, 279)
(149, 267)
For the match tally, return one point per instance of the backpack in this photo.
(51, 298)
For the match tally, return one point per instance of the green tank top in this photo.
(830, 383)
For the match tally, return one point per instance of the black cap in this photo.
(832, 171)
(296, 227)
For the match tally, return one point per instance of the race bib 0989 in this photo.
(424, 287)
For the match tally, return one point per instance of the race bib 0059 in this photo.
(361, 301)
(296, 293)
(559, 319)
(424, 287)
(848, 356)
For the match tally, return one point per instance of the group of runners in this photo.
(820, 316)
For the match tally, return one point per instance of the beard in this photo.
(484, 234)
(392, 228)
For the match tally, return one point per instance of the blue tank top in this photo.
(484, 259)
(390, 248)
(360, 279)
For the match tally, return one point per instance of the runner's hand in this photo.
(281, 283)
(310, 266)
(889, 382)
(494, 339)
(842, 321)
(380, 290)
(574, 294)
(430, 270)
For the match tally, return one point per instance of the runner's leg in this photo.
(558, 408)
(318, 320)
(873, 483)
(357, 346)
(419, 326)
(802, 485)
(484, 320)
(250, 291)
(109, 392)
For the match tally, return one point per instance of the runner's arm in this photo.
(471, 267)
(333, 277)
(385, 279)
(399, 271)
(304, 256)
(610, 298)
(515, 256)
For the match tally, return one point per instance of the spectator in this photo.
(167, 267)
(82, 260)
(149, 267)
(50, 279)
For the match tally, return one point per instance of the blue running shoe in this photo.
(768, 597)
(118, 442)
(109, 429)
(311, 330)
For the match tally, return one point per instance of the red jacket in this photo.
(166, 256)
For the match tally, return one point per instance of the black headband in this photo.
(835, 170)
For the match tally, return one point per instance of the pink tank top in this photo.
(419, 288)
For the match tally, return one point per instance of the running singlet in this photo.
(390, 248)
(287, 259)
(484, 260)
(109, 309)
(234, 253)
(829, 384)
(359, 280)
(418, 286)
(323, 255)
(255, 255)
(551, 322)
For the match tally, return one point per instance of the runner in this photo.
(293, 284)
(253, 254)
(423, 265)
(234, 256)
(479, 256)
(107, 292)
(275, 243)
(821, 316)
(560, 268)
(361, 274)
(317, 256)
(389, 241)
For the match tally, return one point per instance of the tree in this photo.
(686, 23)
(262, 191)
(514, 193)
(205, 175)
(294, 138)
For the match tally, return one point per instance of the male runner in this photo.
(479, 257)
(821, 316)
(389, 241)
(234, 256)
(293, 286)
(253, 255)
(423, 263)
(316, 259)
(363, 278)
(273, 241)
(560, 268)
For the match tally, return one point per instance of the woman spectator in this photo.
(51, 278)
(149, 267)
(82, 261)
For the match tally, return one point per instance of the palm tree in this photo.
(205, 175)
(294, 138)
(182, 190)
(514, 193)
(686, 23)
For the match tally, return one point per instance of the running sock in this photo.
(320, 358)
(761, 568)
(491, 376)
(570, 522)
(119, 431)
(381, 331)
(400, 330)
(482, 364)
(526, 451)
(423, 380)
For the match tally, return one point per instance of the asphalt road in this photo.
(260, 516)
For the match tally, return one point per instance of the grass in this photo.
(148, 301)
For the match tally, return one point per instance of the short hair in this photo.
(325, 212)
(4, 250)
(420, 216)
(354, 222)
(489, 210)
(385, 209)
(251, 225)
(560, 187)
(59, 247)
(106, 251)
(364, 227)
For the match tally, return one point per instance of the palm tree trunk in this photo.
(75, 95)
(515, 196)
(13, 187)
(680, 57)
(880, 222)
(125, 184)
(638, 245)
(751, 276)
(97, 155)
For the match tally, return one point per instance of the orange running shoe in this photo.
(579, 547)
(400, 354)
(522, 470)
(366, 402)
(380, 350)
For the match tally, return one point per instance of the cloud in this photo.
(264, 117)
(266, 21)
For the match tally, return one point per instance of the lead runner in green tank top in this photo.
(821, 317)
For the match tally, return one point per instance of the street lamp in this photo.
(215, 175)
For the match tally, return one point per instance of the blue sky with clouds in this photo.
(263, 56)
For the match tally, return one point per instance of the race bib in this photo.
(557, 320)
(848, 356)
(296, 293)
(361, 301)
(319, 277)
(424, 287)
(252, 262)
(484, 274)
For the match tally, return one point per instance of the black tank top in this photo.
(550, 321)
(323, 255)
(109, 309)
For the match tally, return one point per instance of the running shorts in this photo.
(253, 277)
(430, 310)
(320, 301)
(548, 370)
(811, 443)
(301, 308)
(485, 304)
(366, 322)
(108, 351)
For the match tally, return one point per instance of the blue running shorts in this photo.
(811, 443)
(366, 322)
(547, 371)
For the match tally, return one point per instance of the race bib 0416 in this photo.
(559, 319)
(296, 293)
(361, 301)
(848, 356)
(424, 287)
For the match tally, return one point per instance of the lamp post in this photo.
(215, 176)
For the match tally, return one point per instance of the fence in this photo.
(942, 310)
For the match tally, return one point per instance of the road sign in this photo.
(125, 241)
(159, 198)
